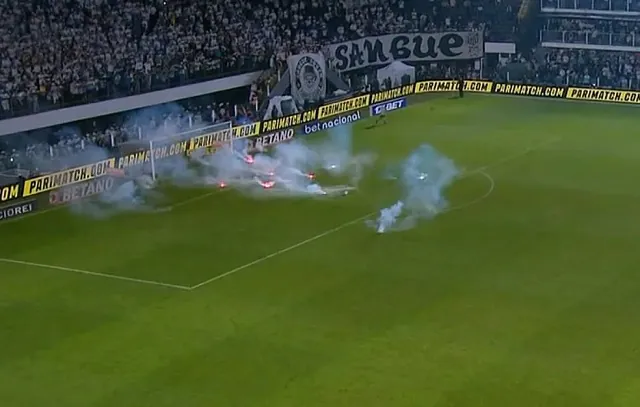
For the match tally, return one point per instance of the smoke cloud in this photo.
(135, 190)
(321, 167)
(424, 176)
(290, 169)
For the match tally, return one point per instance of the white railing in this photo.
(596, 5)
(590, 38)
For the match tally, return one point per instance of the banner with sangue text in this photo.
(413, 47)
(270, 132)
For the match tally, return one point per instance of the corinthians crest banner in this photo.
(308, 77)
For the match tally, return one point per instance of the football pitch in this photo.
(526, 293)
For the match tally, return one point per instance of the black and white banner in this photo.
(308, 77)
(384, 49)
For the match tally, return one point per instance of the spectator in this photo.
(591, 67)
(590, 31)
(59, 53)
(55, 54)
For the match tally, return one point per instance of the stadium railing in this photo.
(595, 5)
(590, 38)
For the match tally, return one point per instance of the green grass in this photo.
(529, 297)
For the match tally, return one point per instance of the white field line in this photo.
(208, 194)
(195, 198)
(106, 275)
(480, 170)
(186, 288)
(96, 274)
(336, 229)
(594, 102)
(492, 187)
(513, 157)
(29, 215)
(282, 251)
(159, 210)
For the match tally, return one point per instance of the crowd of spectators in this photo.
(578, 67)
(591, 68)
(592, 31)
(55, 54)
(60, 53)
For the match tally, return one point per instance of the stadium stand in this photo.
(62, 53)
(57, 54)
(607, 69)
(582, 42)
(597, 5)
(591, 43)
(592, 31)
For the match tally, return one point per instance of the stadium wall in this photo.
(283, 129)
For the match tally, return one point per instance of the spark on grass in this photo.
(289, 170)
(338, 158)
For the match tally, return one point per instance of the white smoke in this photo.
(289, 170)
(424, 176)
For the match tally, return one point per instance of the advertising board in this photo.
(389, 106)
(271, 139)
(83, 190)
(272, 131)
(18, 210)
(10, 192)
(329, 124)
(603, 95)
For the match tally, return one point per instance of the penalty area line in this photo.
(480, 170)
(282, 251)
(95, 274)
(339, 228)
(192, 200)
(159, 210)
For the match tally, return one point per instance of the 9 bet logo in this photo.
(389, 106)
